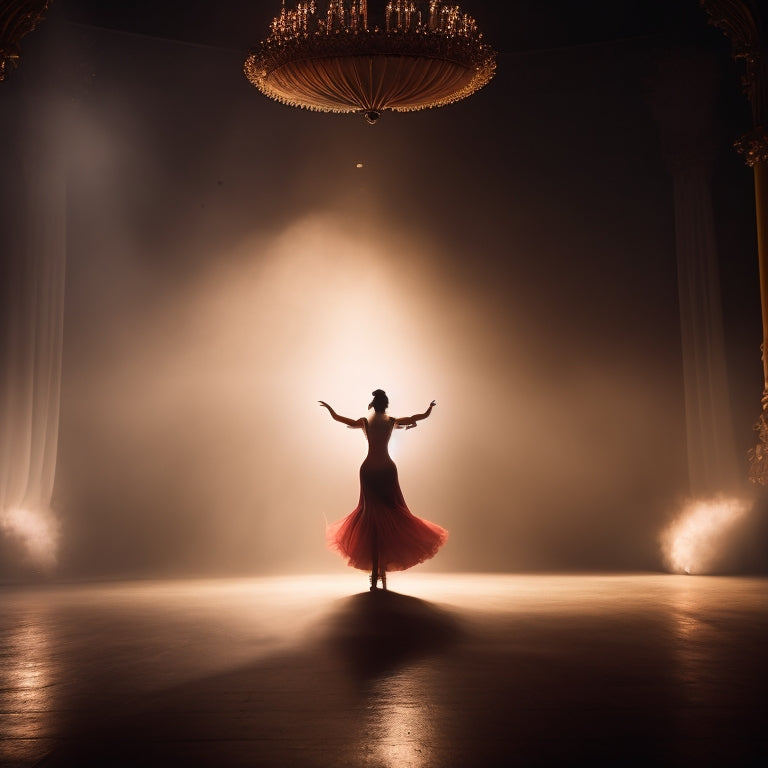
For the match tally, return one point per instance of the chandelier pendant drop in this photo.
(413, 55)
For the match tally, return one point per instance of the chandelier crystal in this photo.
(405, 55)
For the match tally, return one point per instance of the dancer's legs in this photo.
(374, 561)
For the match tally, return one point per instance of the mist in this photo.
(231, 261)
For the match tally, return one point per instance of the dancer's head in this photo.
(380, 401)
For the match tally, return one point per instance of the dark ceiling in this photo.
(513, 26)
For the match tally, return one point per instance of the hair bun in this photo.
(380, 401)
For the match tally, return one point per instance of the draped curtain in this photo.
(683, 100)
(31, 328)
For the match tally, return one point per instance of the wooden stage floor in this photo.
(443, 671)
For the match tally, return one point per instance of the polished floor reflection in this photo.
(443, 671)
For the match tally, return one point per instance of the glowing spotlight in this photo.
(359, 165)
(38, 532)
(693, 541)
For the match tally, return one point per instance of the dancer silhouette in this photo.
(382, 534)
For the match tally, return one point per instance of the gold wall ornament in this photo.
(17, 18)
(754, 146)
(745, 23)
(418, 55)
(740, 21)
(758, 456)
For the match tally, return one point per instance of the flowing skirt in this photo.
(382, 522)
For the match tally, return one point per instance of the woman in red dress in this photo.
(382, 534)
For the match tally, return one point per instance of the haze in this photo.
(231, 261)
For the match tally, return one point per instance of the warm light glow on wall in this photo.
(235, 364)
(320, 313)
(694, 540)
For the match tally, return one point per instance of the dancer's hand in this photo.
(432, 404)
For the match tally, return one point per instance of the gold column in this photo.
(761, 210)
(758, 456)
(744, 24)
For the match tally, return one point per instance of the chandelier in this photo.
(412, 55)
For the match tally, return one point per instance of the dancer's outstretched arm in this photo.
(354, 423)
(410, 421)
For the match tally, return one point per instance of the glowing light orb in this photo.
(38, 532)
(693, 541)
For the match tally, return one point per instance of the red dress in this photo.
(382, 521)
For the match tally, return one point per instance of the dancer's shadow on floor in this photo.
(257, 713)
(376, 632)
